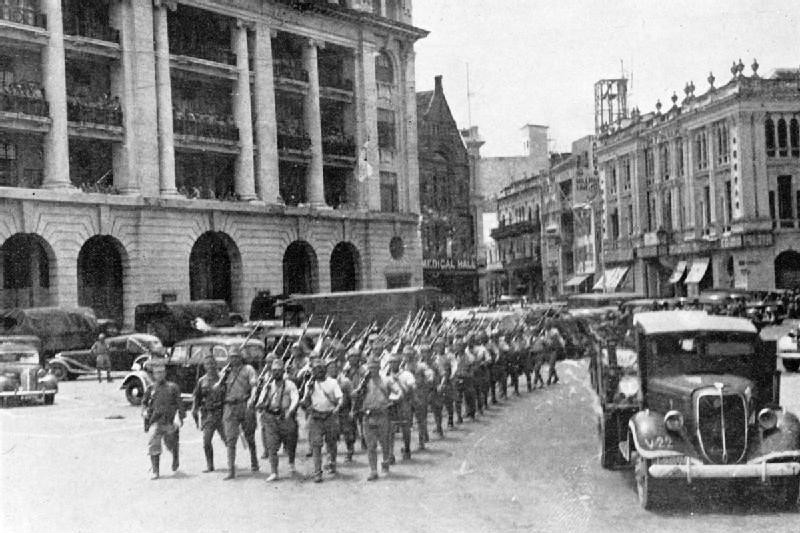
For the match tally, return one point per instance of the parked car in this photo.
(22, 378)
(185, 364)
(174, 321)
(122, 350)
(697, 397)
(789, 348)
(58, 328)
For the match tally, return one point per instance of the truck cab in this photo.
(688, 396)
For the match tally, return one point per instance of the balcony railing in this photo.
(340, 145)
(94, 110)
(291, 69)
(211, 126)
(208, 50)
(93, 29)
(335, 80)
(24, 97)
(293, 141)
(22, 14)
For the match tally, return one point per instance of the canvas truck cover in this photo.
(59, 328)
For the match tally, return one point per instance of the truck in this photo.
(361, 308)
(688, 398)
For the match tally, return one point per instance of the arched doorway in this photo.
(28, 266)
(345, 268)
(100, 276)
(787, 270)
(300, 270)
(212, 264)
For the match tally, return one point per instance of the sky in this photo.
(535, 61)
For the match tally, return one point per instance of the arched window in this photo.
(794, 137)
(384, 71)
(782, 138)
(769, 137)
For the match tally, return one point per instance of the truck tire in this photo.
(134, 391)
(49, 399)
(645, 484)
(610, 457)
(59, 371)
(791, 365)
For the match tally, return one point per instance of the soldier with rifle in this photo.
(423, 378)
(354, 372)
(403, 410)
(161, 402)
(207, 402)
(277, 403)
(464, 381)
(322, 401)
(239, 380)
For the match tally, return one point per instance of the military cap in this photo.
(438, 341)
(234, 350)
(353, 352)
(392, 358)
(277, 364)
(409, 350)
(317, 362)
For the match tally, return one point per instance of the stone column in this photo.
(166, 138)
(56, 146)
(315, 188)
(366, 96)
(712, 182)
(244, 179)
(123, 86)
(266, 126)
(409, 96)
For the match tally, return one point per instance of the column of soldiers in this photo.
(369, 390)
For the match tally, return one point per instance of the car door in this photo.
(176, 366)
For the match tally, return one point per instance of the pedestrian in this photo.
(374, 396)
(207, 402)
(322, 400)
(239, 380)
(102, 360)
(160, 404)
(277, 402)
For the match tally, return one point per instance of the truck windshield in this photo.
(698, 353)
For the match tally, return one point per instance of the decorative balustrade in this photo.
(93, 29)
(340, 145)
(203, 50)
(291, 140)
(21, 14)
(207, 125)
(335, 80)
(291, 69)
(24, 97)
(103, 110)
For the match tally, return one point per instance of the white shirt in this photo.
(323, 392)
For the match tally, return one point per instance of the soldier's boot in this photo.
(493, 393)
(108, 377)
(176, 461)
(350, 451)
(273, 467)
(154, 459)
(421, 441)
(209, 451)
(231, 463)
(528, 379)
(99, 377)
(253, 458)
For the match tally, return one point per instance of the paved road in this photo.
(531, 464)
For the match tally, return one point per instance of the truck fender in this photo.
(74, 366)
(139, 375)
(785, 437)
(652, 440)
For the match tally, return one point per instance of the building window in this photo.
(667, 211)
(679, 156)
(649, 165)
(663, 156)
(614, 223)
(626, 174)
(651, 211)
(630, 219)
(782, 144)
(769, 137)
(772, 205)
(389, 201)
(794, 137)
(384, 72)
(706, 207)
(386, 129)
(728, 203)
(785, 201)
(723, 143)
(612, 179)
(8, 164)
(6, 71)
(700, 151)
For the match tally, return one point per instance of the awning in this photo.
(577, 280)
(680, 269)
(698, 270)
(610, 279)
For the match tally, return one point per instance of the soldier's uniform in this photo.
(538, 353)
(239, 380)
(403, 410)
(161, 402)
(347, 422)
(444, 396)
(354, 372)
(207, 401)
(464, 381)
(423, 379)
(277, 403)
(375, 395)
(322, 400)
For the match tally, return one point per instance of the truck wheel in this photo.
(791, 365)
(49, 399)
(59, 371)
(134, 391)
(645, 486)
(790, 492)
(609, 442)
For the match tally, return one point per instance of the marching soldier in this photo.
(538, 352)
(207, 402)
(354, 372)
(423, 378)
(444, 387)
(239, 380)
(555, 346)
(404, 407)
(465, 383)
(161, 402)
(277, 402)
(347, 421)
(322, 400)
(375, 395)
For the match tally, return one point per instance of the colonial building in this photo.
(705, 193)
(519, 239)
(174, 150)
(448, 216)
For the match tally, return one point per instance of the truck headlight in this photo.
(629, 386)
(767, 419)
(673, 420)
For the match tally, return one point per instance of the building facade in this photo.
(705, 194)
(448, 213)
(160, 150)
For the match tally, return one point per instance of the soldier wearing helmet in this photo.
(239, 380)
(161, 402)
(277, 404)
(207, 402)
(322, 401)
(102, 360)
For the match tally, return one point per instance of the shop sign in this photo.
(449, 264)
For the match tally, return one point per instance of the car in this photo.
(185, 364)
(694, 397)
(22, 379)
(789, 348)
(122, 351)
